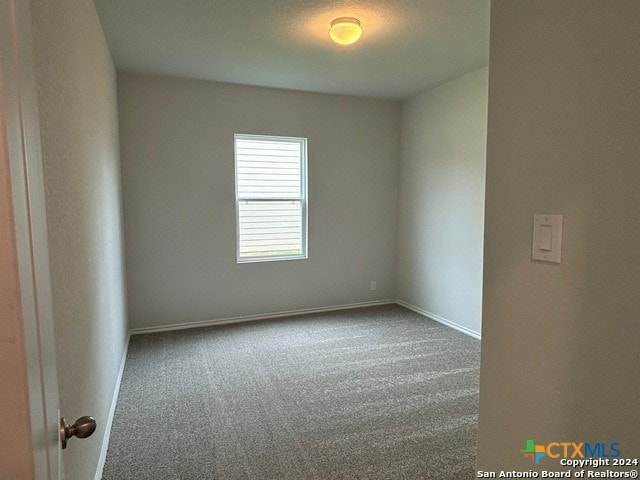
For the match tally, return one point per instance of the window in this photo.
(271, 198)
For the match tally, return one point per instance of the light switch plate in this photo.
(547, 237)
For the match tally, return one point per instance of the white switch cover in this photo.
(547, 237)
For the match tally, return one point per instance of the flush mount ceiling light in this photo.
(345, 30)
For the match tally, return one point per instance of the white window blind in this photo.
(271, 201)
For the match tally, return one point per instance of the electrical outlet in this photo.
(374, 285)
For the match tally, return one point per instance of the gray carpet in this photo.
(372, 393)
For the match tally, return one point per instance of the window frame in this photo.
(303, 199)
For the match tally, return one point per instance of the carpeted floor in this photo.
(372, 393)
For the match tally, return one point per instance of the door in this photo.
(25, 202)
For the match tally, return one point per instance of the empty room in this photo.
(291, 239)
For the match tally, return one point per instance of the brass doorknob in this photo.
(82, 428)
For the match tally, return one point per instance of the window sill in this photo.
(270, 259)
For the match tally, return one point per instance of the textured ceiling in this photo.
(407, 45)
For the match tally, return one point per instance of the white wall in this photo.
(179, 209)
(441, 206)
(79, 133)
(561, 343)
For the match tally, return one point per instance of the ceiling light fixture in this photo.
(345, 30)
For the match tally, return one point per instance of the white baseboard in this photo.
(439, 319)
(112, 411)
(260, 316)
